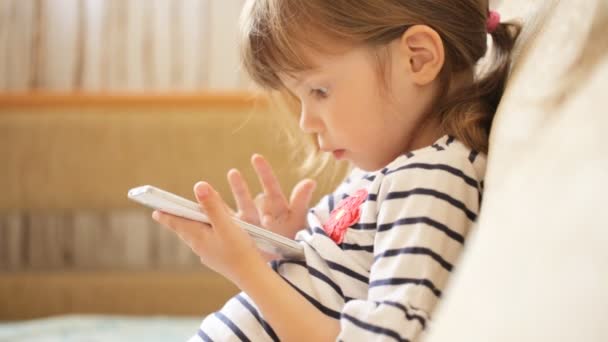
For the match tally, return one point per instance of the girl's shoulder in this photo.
(447, 154)
(445, 161)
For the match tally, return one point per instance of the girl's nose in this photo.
(310, 122)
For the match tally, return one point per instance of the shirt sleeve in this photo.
(424, 213)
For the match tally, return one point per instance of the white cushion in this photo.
(536, 267)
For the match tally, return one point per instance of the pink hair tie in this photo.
(493, 21)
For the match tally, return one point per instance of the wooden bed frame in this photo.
(71, 242)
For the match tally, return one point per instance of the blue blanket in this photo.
(93, 328)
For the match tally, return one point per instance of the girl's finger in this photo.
(230, 210)
(301, 196)
(263, 213)
(213, 205)
(265, 216)
(191, 232)
(274, 199)
(244, 203)
(259, 203)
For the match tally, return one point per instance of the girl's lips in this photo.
(339, 154)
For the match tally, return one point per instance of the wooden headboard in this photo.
(68, 161)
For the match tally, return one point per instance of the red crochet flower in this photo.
(344, 215)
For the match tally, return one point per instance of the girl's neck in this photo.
(430, 129)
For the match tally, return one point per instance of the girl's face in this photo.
(358, 116)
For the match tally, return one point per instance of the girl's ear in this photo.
(421, 48)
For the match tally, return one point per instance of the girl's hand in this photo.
(223, 246)
(271, 209)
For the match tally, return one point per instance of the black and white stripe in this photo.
(395, 260)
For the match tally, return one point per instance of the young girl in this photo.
(390, 86)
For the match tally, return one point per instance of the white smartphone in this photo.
(165, 201)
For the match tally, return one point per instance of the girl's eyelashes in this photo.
(319, 93)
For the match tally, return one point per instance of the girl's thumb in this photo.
(212, 203)
(302, 194)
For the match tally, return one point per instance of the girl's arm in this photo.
(228, 250)
(291, 315)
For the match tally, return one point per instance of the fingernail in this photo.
(155, 215)
(202, 189)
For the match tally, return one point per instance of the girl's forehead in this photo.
(331, 57)
(317, 47)
(330, 66)
(294, 80)
(320, 66)
(317, 62)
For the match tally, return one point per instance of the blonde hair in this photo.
(275, 34)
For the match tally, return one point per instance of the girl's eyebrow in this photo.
(306, 74)
(300, 80)
(303, 76)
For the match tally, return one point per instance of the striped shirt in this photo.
(385, 278)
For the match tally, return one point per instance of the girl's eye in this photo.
(319, 93)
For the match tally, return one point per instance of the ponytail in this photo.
(492, 86)
(467, 114)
